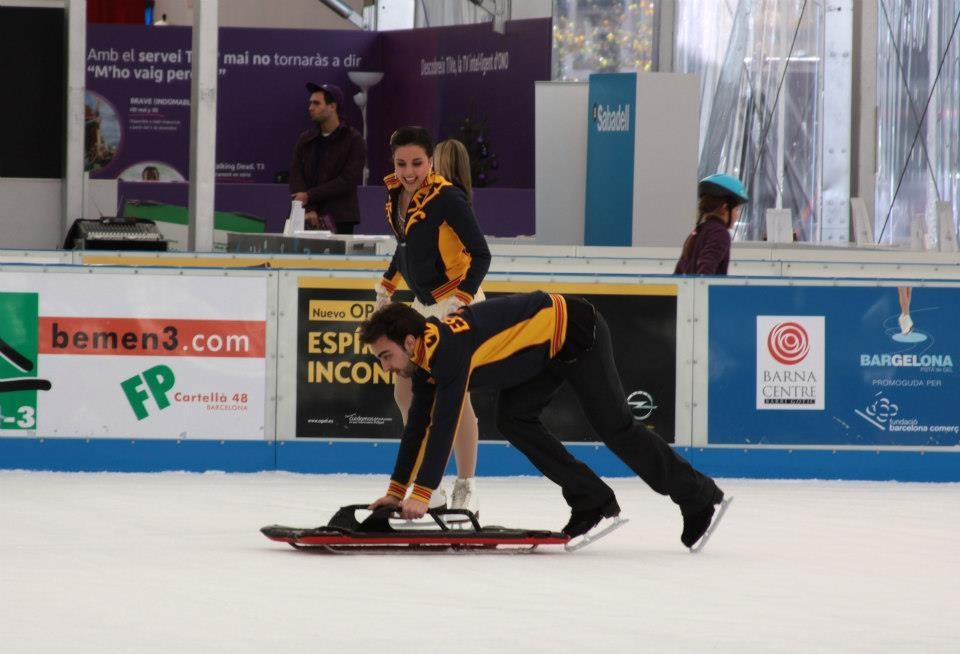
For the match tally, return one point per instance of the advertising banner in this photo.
(138, 97)
(611, 144)
(818, 365)
(463, 82)
(471, 83)
(148, 356)
(342, 392)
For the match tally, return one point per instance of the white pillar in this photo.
(665, 35)
(865, 108)
(203, 126)
(837, 115)
(73, 178)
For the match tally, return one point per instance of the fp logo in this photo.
(154, 382)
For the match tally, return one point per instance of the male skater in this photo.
(526, 346)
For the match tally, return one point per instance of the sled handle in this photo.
(437, 515)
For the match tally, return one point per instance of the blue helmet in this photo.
(724, 186)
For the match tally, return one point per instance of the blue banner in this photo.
(817, 365)
(608, 218)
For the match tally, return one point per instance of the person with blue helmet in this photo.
(707, 249)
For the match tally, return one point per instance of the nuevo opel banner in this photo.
(342, 392)
(825, 365)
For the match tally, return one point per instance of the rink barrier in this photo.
(495, 459)
(277, 449)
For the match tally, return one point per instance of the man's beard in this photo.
(408, 370)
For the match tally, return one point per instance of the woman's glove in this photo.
(452, 304)
(383, 298)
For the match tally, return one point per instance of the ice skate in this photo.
(588, 525)
(699, 521)
(463, 497)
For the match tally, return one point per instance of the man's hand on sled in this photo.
(411, 509)
(386, 500)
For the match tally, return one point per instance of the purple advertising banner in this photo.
(468, 81)
(465, 81)
(138, 97)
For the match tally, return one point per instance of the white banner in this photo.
(132, 356)
(790, 362)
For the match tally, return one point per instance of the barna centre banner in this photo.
(829, 365)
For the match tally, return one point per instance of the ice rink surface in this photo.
(174, 562)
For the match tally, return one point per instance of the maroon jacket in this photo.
(710, 254)
(331, 183)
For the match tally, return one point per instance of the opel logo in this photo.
(641, 404)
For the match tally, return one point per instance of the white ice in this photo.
(174, 562)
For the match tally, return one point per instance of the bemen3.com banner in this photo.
(145, 356)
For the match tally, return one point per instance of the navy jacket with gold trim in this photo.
(494, 344)
(440, 248)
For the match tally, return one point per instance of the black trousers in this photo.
(596, 382)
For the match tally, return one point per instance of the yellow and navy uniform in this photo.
(441, 251)
(497, 343)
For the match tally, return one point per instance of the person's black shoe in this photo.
(697, 518)
(582, 521)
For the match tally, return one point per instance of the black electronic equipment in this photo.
(112, 234)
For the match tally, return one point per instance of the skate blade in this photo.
(713, 525)
(594, 535)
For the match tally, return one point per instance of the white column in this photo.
(837, 116)
(665, 41)
(203, 126)
(865, 114)
(73, 178)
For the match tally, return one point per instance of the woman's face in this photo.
(411, 165)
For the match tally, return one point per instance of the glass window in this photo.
(918, 119)
(603, 36)
(761, 69)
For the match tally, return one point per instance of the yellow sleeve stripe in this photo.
(444, 290)
(396, 489)
(389, 285)
(560, 329)
(421, 493)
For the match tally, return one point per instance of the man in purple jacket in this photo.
(327, 164)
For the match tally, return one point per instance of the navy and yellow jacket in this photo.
(494, 344)
(440, 249)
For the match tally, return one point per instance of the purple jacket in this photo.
(710, 254)
(331, 183)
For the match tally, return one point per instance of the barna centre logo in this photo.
(788, 343)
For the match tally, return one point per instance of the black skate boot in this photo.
(582, 521)
(697, 518)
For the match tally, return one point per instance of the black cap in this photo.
(332, 90)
